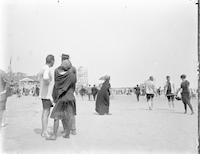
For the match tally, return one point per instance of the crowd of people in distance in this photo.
(170, 92)
(89, 91)
(34, 91)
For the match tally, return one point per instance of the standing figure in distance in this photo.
(94, 92)
(82, 92)
(137, 92)
(103, 97)
(37, 90)
(169, 92)
(150, 91)
(185, 94)
(89, 92)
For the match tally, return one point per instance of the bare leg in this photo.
(45, 116)
(151, 103)
(64, 124)
(137, 97)
(68, 118)
(55, 130)
(169, 104)
(173, 104)
(190, 106)
(73, 129)
(185, 107)
(55, 126)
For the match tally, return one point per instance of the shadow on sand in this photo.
(39, 131)
(161, 110)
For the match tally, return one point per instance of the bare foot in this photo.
(52, 137)
(45, 134)
(73, 132)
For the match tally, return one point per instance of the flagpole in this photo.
(10, 71)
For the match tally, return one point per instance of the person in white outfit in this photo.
(46, 88)
(150, 91)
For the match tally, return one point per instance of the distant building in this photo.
(82, 77)
(18, 76)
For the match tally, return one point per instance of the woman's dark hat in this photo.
(105, 77)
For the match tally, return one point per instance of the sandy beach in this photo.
(130, 128)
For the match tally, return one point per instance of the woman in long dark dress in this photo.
(103, 98)
(185, 94)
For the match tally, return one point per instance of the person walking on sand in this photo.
(37, 90)
(137, 92)
(89, 92)
(169, 90)
(46, 85)
(185, 94)
(150, 91)
(82, 92)
(159, 91)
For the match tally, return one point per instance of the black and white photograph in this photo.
(99, 76)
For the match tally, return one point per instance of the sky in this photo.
(126, 39)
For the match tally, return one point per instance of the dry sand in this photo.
(131, 128)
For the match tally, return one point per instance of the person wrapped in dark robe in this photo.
(64, 99)
(103, 97)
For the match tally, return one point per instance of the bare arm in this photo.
(165, 89)
(154, 89)
(178, 90)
